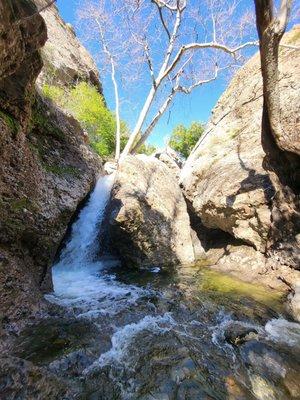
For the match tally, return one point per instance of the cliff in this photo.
(46, 169)
(225, 179)
(66, 60)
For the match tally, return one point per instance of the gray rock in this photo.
(224, 178)
(149, 223)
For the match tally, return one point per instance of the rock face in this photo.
(169, 157)
(46, 168)
(21, 37)
(149, 223)
(224, 178)
(66, 61)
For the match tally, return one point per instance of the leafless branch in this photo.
(162, 18)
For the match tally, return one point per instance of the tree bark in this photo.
(282, 161)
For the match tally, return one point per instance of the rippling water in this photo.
(190, 333)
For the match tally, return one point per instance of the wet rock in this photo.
(21, 379)
(236, 333)
(149, 223)
(272, 370)
(53, 339)
(295, 301)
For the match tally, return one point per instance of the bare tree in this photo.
(98, 15)
(179, 58)
(160, 39)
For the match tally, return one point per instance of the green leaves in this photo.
(87, 105)
(184, 139)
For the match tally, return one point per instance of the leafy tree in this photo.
(183, 139)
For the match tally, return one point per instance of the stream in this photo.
(187, 333)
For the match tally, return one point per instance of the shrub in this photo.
(87, 105)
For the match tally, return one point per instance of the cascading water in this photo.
(167, 334)
(77, 277)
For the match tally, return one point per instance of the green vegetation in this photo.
(10, 121)
(62, 170)
(147, 149)
(87, 105)
(183, 139)
(42, 121)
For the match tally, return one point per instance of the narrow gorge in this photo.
(164, 279)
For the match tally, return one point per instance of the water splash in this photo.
(77, 277)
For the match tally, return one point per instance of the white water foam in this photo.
(282, 331)
(123, 337)
(77, 276)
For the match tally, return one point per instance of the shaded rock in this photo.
(21, 37)
(46, 169)
(21, 379)
(273, 374)
(43, 177)
(149, 223)
(66, 61)
(224, 178)
(236, 333)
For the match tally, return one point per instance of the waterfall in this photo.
(77, 276)
(79, 250)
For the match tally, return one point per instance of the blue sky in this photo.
(186, 108)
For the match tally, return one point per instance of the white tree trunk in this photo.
(117, 111)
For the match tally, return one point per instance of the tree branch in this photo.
(162, 18)
(283, 14)
(188, 90)
(208, 45)
(150, 65)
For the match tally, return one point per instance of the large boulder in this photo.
(149, 223)
(224, 178)
(46, 168)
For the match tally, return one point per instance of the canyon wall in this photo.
(46, 168)
(225, 179)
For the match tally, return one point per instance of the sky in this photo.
(186, 109)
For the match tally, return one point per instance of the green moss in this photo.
(234, 133)
(41, 121)
(10, 121)
(54, 93)
(216, 283)
(19, 204)
(62, 170)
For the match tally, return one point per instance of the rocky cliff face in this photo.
(46, 169)
(224, 178)
(149, 223)
(66, 61)
(22, 34)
